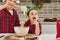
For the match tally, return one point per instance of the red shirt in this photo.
(8, 21)
(32, 27)
(58, 29)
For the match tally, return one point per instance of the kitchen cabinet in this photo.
(48, 28)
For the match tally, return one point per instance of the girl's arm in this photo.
(37, 29)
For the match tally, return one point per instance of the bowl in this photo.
(21, 31)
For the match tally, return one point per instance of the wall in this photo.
(49, 10)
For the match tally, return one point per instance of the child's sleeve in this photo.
(17, 21)
(40, 28)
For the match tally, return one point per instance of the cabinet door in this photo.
(49, 29)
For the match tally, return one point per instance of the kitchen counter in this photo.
(47, 37)
(48, 23)
(41, 37)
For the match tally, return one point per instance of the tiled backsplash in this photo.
(49, 10)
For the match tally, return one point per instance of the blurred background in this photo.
(48, 10)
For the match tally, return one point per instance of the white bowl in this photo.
(21, 31)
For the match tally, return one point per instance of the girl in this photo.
(32, 23)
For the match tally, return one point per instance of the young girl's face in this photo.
(33, 15)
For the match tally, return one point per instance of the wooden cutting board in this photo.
(27, 37)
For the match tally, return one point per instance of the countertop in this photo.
(48, 23)
(41, 37)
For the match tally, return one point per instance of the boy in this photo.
(8, 18)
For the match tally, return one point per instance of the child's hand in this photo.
(9, 3)
(35, 22)
(22, 24)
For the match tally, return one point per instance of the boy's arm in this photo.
(17, 21)
(2, 7)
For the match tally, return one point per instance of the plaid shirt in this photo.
(32, 27)
(8, 21)
(58, 28)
